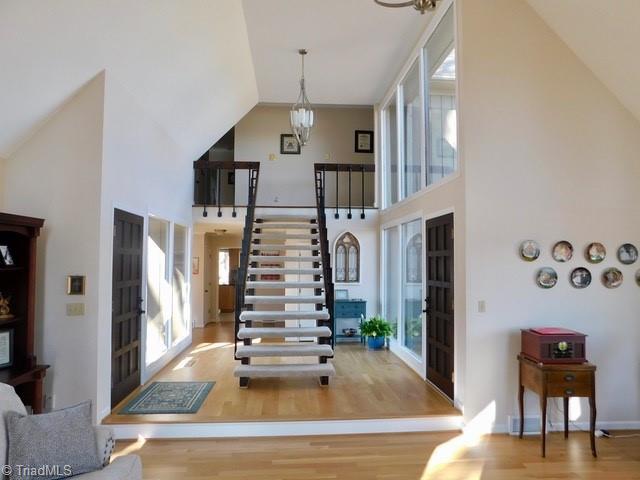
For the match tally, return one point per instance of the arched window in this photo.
(347, 259)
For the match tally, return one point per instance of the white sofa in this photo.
(127, 467)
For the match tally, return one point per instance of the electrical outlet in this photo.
(75, 309)
(327, 156)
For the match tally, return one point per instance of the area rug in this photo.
(169, 397)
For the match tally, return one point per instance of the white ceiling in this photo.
(605, 35)
(187, 62)
(356, 48)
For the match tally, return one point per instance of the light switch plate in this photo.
(75, 309)
(482, 306)
(272, 156)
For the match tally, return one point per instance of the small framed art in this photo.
(75, 284)
(6, 348)
(364, 141)
(289, 145)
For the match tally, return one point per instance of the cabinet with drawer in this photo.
(347, 314)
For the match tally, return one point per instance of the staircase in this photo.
(282, 319)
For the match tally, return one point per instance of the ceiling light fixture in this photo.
(301, 112)
(420, 5)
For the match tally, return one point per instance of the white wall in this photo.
(2, 182)
(289, 180)
(56, 175)
(199, 312)
(143, 172)
(550, 155)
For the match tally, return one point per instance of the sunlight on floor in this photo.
(183, 363)
(443, 457)
(133, 448)
(205, 347)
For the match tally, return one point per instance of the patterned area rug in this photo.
(169, 397)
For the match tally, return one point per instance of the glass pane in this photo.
(390, 121)
(158, 290)
(341, 264)
(353, 264)
(391, 277)
(223, 267)
(440, 74)
(412, 285)
(179, 325)
(411, 112)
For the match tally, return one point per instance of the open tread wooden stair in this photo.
(287, 249)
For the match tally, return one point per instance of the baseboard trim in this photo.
(291, 428)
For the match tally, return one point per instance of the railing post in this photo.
(362, 215)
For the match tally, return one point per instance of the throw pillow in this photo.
(52, 445)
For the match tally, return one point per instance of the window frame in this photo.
(394, 90)
(338, 242)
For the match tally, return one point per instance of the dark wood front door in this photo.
(128, 231)
(439, 302)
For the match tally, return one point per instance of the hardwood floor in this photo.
(368, 384)
(389, 456)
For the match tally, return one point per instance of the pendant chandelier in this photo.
(302, 112)
(420, 5)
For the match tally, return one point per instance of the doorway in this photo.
(128, 231)
(439, 301)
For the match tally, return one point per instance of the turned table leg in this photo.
(521, 405)
(592, 423)
(543, 408)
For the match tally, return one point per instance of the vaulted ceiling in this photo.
(187, 62)
(355, 47)
(605, 35)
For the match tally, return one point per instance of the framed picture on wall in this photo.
(289, 145)
(364, 141)
(6, 348)
(195, 265)
(75, 284)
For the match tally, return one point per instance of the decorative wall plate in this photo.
(638, 277)
(562, 251)
(581, 277)
(612, 278)
(529, 250)
(595, 252)
(627, 254)
(547, 277)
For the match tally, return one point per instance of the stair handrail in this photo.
(353, 170)
(243, 267)
(320, 182)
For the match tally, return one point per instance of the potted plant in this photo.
(376, 329)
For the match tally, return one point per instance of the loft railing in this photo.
(324, 251)
(214, 184)
(349, 186)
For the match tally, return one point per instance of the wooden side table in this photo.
(558, 380)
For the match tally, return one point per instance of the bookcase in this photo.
(18, 362)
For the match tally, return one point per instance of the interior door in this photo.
(128, 230)
(439, 302)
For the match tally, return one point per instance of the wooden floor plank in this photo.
(445, 455)
(368, 384)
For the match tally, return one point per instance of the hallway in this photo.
(368, 384)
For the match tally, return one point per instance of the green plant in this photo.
(376, 327)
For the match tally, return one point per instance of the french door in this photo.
(128, 237)
(439, 302)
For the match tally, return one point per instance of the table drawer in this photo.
(350, 309)
(569, 383)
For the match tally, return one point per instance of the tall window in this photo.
(412, 285)
(411, 158)
(391, 245)
(158, 290)
(440, 78)
(179, 320)
(390, 139)
(347, 259)
(419, 125)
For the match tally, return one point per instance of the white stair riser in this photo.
(284, 271)
(259, 316)
(282, 370)
(281, 259)
(281, 285)
(274, 247)
(301, 350)
(279, 332)
(288, 300)
(285, 236)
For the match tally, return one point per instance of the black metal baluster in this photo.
(219, 172)
(234, 214)
(349, 216)
(207, 186)
(337, 215)
(362, 215)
